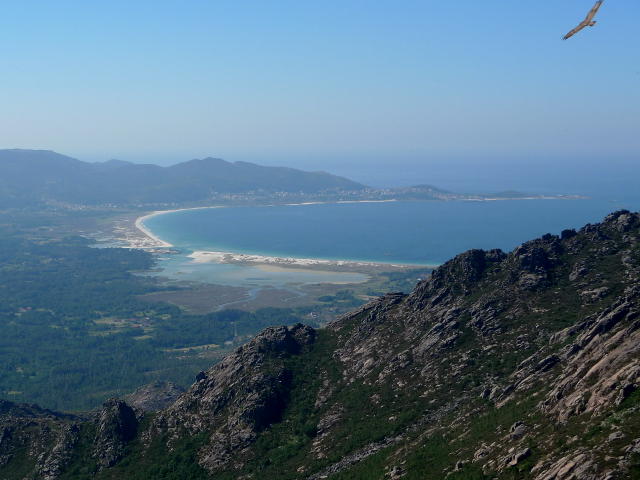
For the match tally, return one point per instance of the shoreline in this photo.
(152, 241)
(206, 256)
(145, 231)
(159, 243)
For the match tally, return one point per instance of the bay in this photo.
(412, 233)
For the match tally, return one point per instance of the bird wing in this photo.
(583, 24)
(586, 21)
(593, 11)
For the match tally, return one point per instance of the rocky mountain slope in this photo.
(499, 366)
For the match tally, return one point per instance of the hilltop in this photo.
(40, 177)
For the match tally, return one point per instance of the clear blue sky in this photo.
(302, 82)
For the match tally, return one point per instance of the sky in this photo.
(340, 84)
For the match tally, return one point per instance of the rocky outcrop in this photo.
(41, 439)
(154, 396)
(577, 466)
(51, 464)
(116, 425)
(237, 398)
(602, 366)
(458, 275)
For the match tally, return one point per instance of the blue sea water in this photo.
(421, 233)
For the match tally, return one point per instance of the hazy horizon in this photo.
(612, 178)
(302, 84)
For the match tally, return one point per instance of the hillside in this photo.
(44, 179)
(511, 366)
(38, 177)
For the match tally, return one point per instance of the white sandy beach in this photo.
(202, 256)
(150, 240)
(157, 242)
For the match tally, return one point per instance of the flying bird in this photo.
(587, 22)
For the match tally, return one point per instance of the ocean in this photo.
(414, 233)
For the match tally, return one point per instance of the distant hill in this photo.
(37, 177)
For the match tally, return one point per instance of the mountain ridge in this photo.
(46, 179)
(41, 177)
(500, 365)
